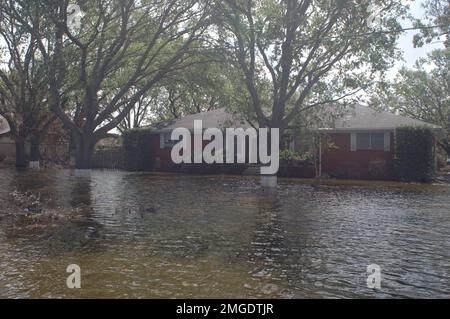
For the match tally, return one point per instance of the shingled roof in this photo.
(219, 118)
(357, 118)
(364, 118)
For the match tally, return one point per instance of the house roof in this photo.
(219, 118)
(4, 126)
(358, 118)
(362, 117)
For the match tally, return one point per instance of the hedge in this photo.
(414, 154)
(138, 156)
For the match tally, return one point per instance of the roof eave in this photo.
(364, 129)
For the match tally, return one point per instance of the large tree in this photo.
(298, 55)
(23, 89)
(422, 92)
(140, 114)
(204, 87)
(122, 49)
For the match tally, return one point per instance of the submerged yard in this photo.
(152, 236)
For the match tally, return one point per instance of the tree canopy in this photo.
(437, 24)
(422, 92)
(297, 55)
(121, 50)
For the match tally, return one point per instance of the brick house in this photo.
(363, 140)
(363, 143)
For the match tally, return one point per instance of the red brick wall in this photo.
(164, 155)
(342, 161)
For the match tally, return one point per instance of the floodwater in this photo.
(174, 236)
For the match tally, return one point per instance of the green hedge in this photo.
(291, 158)
(414, 154)
(138, 156)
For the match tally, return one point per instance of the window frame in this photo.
(355, 142)
(166, 141)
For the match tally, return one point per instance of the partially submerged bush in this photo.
(137, 148)
(414, 154)
(292, 158)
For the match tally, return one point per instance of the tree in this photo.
(203, 87)
(298, 55)
(23, 89)
(139, 115)
(422, 92)
(437, 25)
(122, 50)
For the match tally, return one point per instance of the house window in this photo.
(363, 141)
(377, 141)
(167, 142)
(371, 142)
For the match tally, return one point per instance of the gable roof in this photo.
(219, 118)
(358, 118)
(4, 126)
(365, 118)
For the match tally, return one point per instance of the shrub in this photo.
(414, 154)
(292, 158)
(136, 144)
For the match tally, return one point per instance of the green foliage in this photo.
(421, 92)
(98, 72)
(297, 55)
(414, 154)
(202, 87)
(138, 156)
(292, 158)
(437, 24)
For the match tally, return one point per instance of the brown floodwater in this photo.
(176, 236)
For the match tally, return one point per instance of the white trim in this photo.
(362, 129)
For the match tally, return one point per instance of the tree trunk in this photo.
(35, 153)
(84, 150)
(21, 158)
(445, 145)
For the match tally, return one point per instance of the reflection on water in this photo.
(152, 236)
